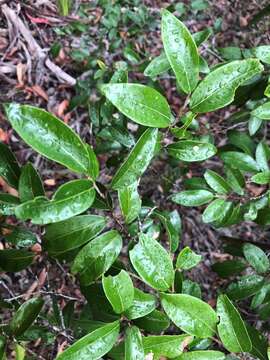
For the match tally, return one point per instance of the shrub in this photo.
(134, 283)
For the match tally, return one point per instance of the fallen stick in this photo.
(34, 47)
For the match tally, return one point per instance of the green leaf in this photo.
(20, 237)
(217, 89)
(217, 212)
(242, 141)
(235, 179)
(137, 161)
(93, 167)
(130, 202)
(14, 260)
(262, 112)
(173, 225)
(201, 36)
(8, 204)
(97, 256)
(216, 182)
(190, 314)
(191, 150)
(181, 51)
(30, 185)
(202, 355)
(256, 258)
(69, 200)
(259, 343)
(229, 267)
(155, 322)
(166, 345)
(140, 103)
(94, 345)
(152, 263)
(49, 136)
(157, 66)
(142, 305)
(262, 156)
(231, 328)
(20, 352)
(187, 259)
(71, 234)
(262, 53)
(9, 168)
(193, 197)
(133, 344)
(240, 161)
(25, 316)
(261, 178)
(246, 286)
(191, 288)
(119, 291)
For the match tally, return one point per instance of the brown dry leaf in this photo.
(40, 92)
(61, 347)
(8, 189)
(42, 278)
(50, 182)
(4, 136)
(21, 70)
(36, 248)
(255, 190)
(62, 107)
(30, 290)
(243, 21)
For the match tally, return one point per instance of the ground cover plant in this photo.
(125, 250)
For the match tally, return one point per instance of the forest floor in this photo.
(40, 67)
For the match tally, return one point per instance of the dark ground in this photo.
(25, 78)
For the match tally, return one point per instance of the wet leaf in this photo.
(155, 322)
(69, 200)
(133, 344)
(25, 316)
(157, 66)
(49, 136)
(190, 314)
(229, 267)
(216, 182)
(95, 258)
(119, 291)
(191, 150)
(70, 234)
(30, 185)
(231, 328)
(240, 161)
(202, 355)
(246, 286)
(193, 197)
(14, 260)
(142, 305)
(93, 345)
(187, 259)
(137, 161)
(256, 258)
(9, 168)
(181, 51)
(217, 89)
(152, 263)
(140, 103)
(130, 202)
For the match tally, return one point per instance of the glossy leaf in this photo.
(8, 203)
(173, 225)
(256, 258)
(155, 322)
(152, 263)
(95, 258)
(191, 150)
(259, 343)
(30, 185)
(235, 179)
(49, 136)
(231, 328)
(190, 314)
(169, 346)
(246, 286)
(25, 316)
(217, 89)
(119, 291)
(240, 161)
(263, 53)
(217, 212)
(202, 355)
(191, 288)
(181, 51)
(20, 236)
(143, 304)
(133, 344)
(9, 168)
(14, 260)
(157, 66)
(187, 259)
(94, 345)
(93, 167)
(193, 197)
(216, 182)
(262, 111)
(70, 234)
(262, 156)
(137, 161)
(130, 202)
(261, 178)
(140, 103)
(69, 200)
